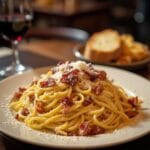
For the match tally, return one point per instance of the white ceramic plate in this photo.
(132, 83)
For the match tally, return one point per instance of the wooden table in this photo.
(47, 57)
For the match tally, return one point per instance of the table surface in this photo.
(29, 57)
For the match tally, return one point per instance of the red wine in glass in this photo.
(13, 27)
(15, 20)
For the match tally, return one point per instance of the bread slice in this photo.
(103, 46)
(136, 50)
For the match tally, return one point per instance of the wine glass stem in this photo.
(15, 52)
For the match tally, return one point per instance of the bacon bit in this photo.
(133, 101)
(87, 101)
(75, 72)
(25, 112)
(98, 89)
(70, 78)
(51, 82)
(102, 75)
(93, 75)
(44, 84)
(40, 107)
(85, 129)
(96, 130)
(31, 97)
(66, 103)
(131, 113)
(22, 89)
(17, 95)
(17, 116)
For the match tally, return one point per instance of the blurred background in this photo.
(127, 16)
(94, 15)
(130, 16)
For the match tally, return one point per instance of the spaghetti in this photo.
(73, 98)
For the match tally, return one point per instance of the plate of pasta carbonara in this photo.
(75, 105)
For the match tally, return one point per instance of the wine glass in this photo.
(15, 19)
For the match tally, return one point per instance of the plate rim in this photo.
(76, 147)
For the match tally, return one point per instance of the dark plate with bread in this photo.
(110, 48)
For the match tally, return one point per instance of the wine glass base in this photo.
(13, 69)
